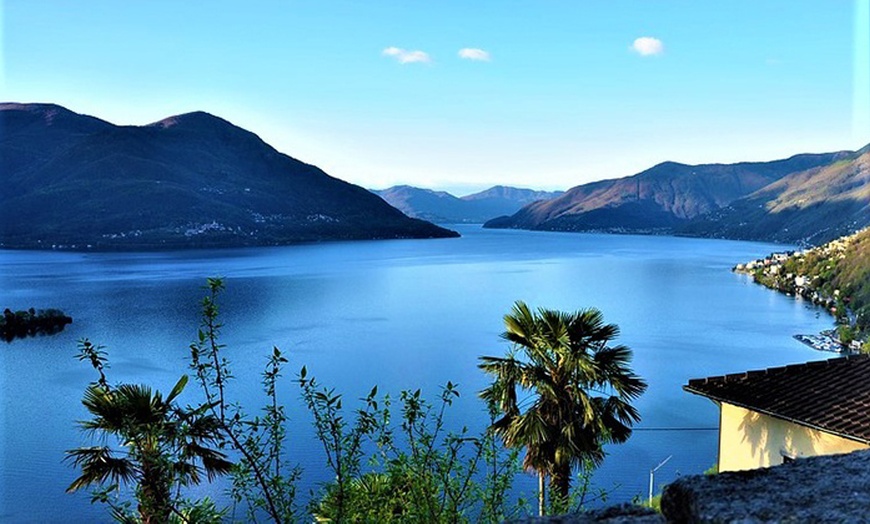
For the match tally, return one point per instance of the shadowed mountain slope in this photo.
(192, 180)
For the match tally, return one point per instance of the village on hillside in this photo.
(834, 276)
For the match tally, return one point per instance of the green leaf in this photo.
(179, 387)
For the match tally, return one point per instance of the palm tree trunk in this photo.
(154, 494)
(541, 501)
(560, 482)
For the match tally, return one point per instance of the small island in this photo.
(21, 324)
(835, 276)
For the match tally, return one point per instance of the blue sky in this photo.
(548, 94)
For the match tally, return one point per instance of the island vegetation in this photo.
(29, 323)
(835, 275)
(399, 459)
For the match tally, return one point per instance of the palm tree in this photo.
(580, 387)
(163, 445)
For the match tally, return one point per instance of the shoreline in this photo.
(824, 341)
(828, 276)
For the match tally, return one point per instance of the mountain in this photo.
(667, 198)
(807, 207)
(502, 200)
(192, 180)
(426, 204)
(442, 207)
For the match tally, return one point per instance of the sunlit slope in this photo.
(809, 206)
(807, 198)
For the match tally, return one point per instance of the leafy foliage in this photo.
(398, 460)
(420, 473)
(580, 387)
(262, 479)
(160, 445)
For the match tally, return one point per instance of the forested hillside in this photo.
(836, 275)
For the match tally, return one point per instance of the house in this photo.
(776, 415)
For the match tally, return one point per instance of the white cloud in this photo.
(403, 56)
(647, 46)
(471, 53)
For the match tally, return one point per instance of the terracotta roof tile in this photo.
(832, 395)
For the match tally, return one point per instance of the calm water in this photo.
(401, 314)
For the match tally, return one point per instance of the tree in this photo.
(580, 387)
(162, 445)
(262, 477)
(421, 471)
(418, 469)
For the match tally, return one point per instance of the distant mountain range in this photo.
(808, 198)
(444, 208)
(74, 181)
(193, 180)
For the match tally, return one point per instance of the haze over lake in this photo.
(400, 314)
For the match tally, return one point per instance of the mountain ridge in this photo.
(443, 207)
(191, 180)
(675, 198)
(811, 207)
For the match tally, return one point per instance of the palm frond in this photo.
(216, 464)
(98, 465)
(177, 389)
(581, 385)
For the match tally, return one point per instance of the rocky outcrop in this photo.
(831, 488)
(621, 514)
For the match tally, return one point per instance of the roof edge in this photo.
(775, 415)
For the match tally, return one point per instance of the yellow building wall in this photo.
(749, 440)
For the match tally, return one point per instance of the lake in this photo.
(400, 314)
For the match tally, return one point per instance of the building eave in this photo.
(775, 415)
